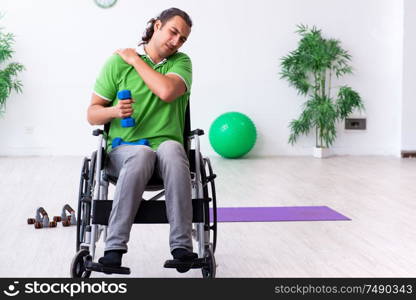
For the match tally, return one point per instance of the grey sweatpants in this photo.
(134, 166)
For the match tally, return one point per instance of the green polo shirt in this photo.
(156, 120)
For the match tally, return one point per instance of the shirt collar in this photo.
(140, 50)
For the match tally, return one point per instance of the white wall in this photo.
(236, 48)
(409, 74)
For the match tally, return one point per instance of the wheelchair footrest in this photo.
(185, 264)
(97, 267)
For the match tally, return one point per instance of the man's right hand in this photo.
(123, 109)
(100, 113)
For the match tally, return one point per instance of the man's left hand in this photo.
(129, 55)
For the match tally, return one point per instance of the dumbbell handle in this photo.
(128, 121)
(41, 214)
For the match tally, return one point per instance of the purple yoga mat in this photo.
(271, 214)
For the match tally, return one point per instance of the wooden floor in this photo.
(377, 193)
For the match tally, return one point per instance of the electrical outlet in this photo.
(355, 124)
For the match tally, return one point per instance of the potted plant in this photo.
(8, 71)
(310, 69)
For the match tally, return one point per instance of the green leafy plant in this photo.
(310, 69)
(8, 70)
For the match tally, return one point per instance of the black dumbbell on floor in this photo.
(67, 220)
(41, 219)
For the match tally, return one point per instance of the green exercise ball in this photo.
(232, 135)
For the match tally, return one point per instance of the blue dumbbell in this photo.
(129, 121)
(119, 141)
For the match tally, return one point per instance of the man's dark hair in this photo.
(164, 16)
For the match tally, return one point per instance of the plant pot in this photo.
(321, 152)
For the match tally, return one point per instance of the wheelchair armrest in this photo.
(196, 132)
(97, 132)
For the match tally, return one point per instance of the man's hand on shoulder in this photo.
(129, 55)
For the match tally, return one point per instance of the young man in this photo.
(159, 78)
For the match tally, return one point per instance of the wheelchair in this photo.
(94, 208)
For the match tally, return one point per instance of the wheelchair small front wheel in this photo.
(182, 269)
(77, 265)
(209, 270)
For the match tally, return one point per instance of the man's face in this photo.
(171, 36)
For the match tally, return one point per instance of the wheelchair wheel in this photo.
(77, 265)
(209, 181)
(86, 188)
(209, 270)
